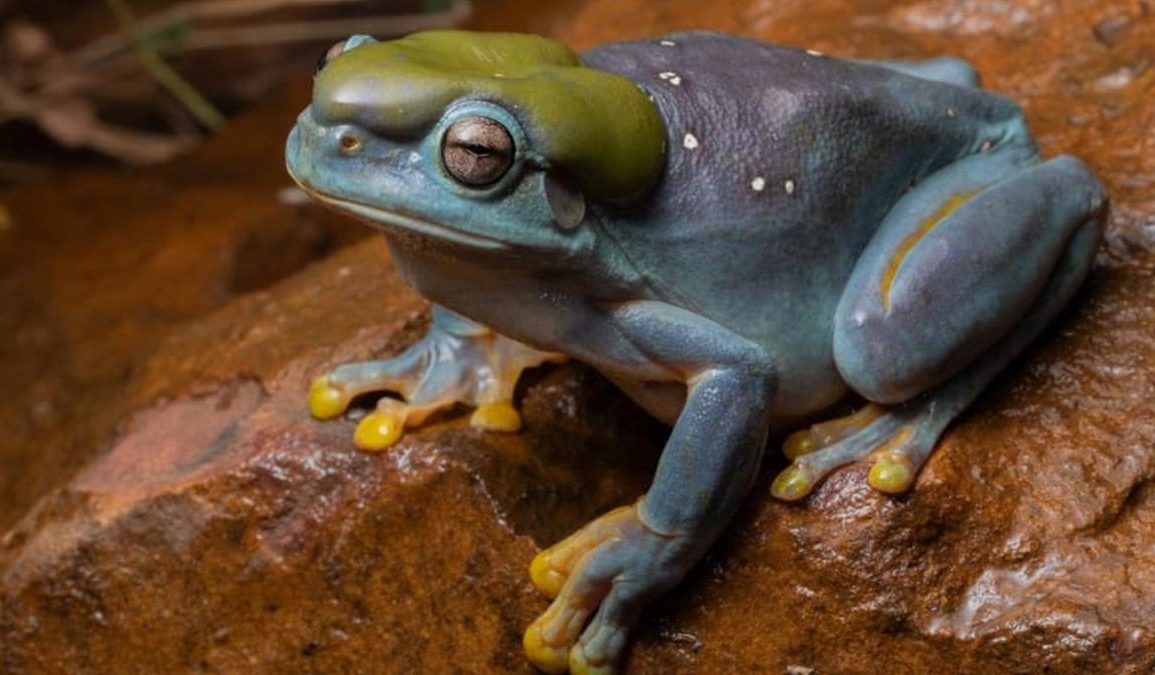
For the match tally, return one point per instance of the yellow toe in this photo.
(496, 417)
(325, 400)
(377, 431)
(546, 657)
(545, 577)
(892, 474)
(792, 484)
(799, 443)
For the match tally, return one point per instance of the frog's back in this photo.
(738, 109)
(780, 165)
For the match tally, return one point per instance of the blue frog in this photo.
(737, 234)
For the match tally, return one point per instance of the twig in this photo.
(138, 147)
(128, 145)
(307, 31)
(180, 15)
(168, 78)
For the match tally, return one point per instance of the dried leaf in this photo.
(70, 122)
(137, 147)
(25, 42)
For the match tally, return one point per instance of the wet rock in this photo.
(223, 529)
(96, 269)
(972, 17)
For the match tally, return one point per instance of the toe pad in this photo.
(325, 400)
(377, 431)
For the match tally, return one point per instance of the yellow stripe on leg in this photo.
(948, 207)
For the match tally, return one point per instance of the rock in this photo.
(95, 274)
(1112, 29)
(223, 529)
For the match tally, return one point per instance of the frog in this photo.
(738, 235)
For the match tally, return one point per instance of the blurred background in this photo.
(136, 82)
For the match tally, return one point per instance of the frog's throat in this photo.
(381, 219)
(597, 127)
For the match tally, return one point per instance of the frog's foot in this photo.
(457, 361)
(818, 436)
(898, 441)
(600, 578)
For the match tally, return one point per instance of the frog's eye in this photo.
(477, 151)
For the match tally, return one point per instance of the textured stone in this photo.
(223, 529)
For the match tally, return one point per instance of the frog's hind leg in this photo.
(948, 69)
(967, 270)
(900, 439)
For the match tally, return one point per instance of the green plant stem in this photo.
(200, 107)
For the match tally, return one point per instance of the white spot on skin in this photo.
(950, 112)
(671, 77)
(690, 142)
(758, 184)
(985, 146)
(667, 43)
(814, 52)
(414, 157)
(789, 186)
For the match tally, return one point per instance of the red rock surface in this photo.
(222, 529)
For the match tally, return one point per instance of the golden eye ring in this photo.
(350, 144)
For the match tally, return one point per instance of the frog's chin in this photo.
(391, 221)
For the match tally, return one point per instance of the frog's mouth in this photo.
(381, 219)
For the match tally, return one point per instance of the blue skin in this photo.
(883, 229)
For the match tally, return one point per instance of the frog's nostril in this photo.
(349, 143)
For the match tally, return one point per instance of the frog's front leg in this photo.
(457, 361)
(602, 576)
(967, 269)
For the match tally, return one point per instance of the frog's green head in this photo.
(486, 140)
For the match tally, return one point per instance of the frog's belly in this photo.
(785, 308)
(795, 330)
(801, 348)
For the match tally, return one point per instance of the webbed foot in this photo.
(457, 361)
(600, 578)
(822, 434)
(898, 441)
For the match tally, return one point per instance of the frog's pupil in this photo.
(477, 151)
